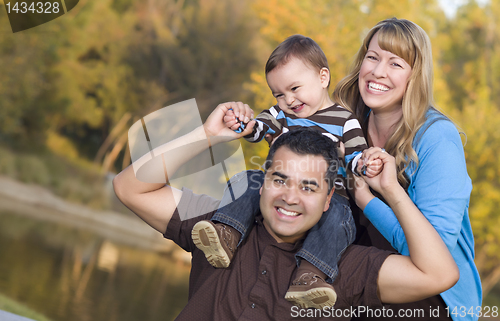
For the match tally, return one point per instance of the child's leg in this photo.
(235, 215)
(319, 255)
(241, 202)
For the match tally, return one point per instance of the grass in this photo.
(15, 307)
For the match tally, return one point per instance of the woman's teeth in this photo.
(377, 87)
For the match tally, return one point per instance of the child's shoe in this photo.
(217, 241)
(310, 290)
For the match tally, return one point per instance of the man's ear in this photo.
(324, 75)
(260, 190)
(328, 199)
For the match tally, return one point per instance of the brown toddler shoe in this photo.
(217, 241)
(310, 290)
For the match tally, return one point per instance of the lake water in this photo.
(67, 273)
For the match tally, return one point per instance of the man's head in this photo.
(297, 73)
(301, 169)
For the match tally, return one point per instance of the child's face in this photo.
(299, 88)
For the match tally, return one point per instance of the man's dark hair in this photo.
(308, 141)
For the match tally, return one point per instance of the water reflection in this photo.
(71, 274)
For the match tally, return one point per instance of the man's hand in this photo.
(216, 126)
(239, 113)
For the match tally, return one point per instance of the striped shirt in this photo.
(335, 122)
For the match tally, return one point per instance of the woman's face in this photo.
(383, 78)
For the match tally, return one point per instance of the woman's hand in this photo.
(361, 190)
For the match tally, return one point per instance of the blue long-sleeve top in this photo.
(440, 187)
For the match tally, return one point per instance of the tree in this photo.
(337, 26)
(471, 68)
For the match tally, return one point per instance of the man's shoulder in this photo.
(356, 283)
(192, 205)
(191, 209)
(361, 263)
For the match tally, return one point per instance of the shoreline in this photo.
(39, 203)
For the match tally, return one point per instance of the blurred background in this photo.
(70, 90)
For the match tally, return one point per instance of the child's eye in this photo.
(295, 88)
(278, 96)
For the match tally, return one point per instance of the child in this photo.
(298, 75)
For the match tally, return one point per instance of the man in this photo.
(297, 189)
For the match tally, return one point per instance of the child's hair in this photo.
(410, 42)
(308, 141)
(300, 47)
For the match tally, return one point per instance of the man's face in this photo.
(294, 194)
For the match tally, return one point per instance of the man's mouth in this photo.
(377, 87)
(286, 212)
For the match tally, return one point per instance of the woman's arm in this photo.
(440, 189)
(429, 269)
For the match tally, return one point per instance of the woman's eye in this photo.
(371, 57)
(397, 65)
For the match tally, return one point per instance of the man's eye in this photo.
(308, 189)
(279, 181)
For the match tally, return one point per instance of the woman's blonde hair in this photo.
(410, 42)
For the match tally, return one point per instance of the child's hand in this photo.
(369, 165)
(374, 167)
(270, 140)
(230, 120)
(237, 116)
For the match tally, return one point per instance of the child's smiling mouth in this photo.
(298, 108)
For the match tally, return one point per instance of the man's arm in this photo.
(430, 269)
(155, 202)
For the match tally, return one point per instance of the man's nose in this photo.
(290, 195)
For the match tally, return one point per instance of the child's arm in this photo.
(269, 125)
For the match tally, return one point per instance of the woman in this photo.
(390, 90)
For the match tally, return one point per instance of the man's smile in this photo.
(286, 212)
